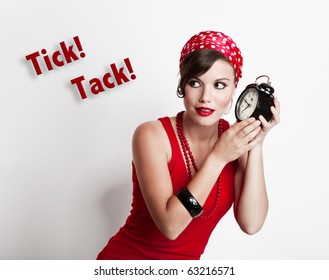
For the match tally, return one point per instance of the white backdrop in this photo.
(65, 163)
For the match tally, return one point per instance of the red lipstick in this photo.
(204, 111)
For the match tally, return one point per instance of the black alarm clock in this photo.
(255, 100)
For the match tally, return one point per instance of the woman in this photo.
(188, 170)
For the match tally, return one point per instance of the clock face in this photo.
(247, 103)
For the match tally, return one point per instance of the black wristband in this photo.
(190, 203)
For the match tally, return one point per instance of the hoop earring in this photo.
(179, 92)
(229, 109)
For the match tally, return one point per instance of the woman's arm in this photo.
(151, 150)
(151, 154)
(251, 201)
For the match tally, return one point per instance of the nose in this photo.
(206, 95)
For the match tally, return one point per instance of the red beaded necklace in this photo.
(189, 158)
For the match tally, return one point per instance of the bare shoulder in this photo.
(151, 129)
(151, 137)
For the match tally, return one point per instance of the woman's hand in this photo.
(242, 136)
(237, 140)
(267, 126)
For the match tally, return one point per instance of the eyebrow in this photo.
(220, 79)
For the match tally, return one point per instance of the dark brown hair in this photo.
(196, 64)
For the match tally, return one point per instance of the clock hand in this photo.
(245, 109)
(247, 102)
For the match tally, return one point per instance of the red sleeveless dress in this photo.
(140, 238)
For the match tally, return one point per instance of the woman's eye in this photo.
(220, 85)
(194, 84)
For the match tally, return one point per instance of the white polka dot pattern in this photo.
(218, 41)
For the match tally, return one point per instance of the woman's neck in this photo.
(199, 133)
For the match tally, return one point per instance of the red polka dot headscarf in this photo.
(217, 41)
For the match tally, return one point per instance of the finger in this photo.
(264, 122)
(276, 115)
(245, 123)
(237, 126)
(277, 104)
(252, 143)
(248, 132)
(251, 136)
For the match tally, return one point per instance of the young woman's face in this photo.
(208, 97)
